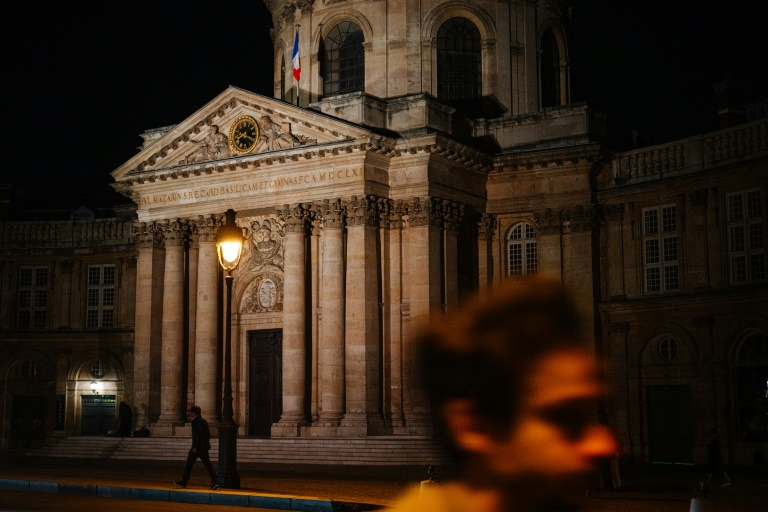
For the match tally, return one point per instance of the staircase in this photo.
(372, 451)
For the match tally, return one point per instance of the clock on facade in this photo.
(243, 135)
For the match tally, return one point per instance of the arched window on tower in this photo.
(522, 255)
(459, 61)
(343, 60)
(550, 71)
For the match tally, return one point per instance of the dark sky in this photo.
(82, 79)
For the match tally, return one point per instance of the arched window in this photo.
(752, 387)
(667, 348)
(459, 60)
(343, 59)
(521, 250)
(550, 71)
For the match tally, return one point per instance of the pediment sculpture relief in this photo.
(215, 145)
(274, 136)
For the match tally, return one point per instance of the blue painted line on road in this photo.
(78, 489)
(51, 487)
(110, 491)
(14, 485)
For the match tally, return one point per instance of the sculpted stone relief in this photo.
(264, 256)
(272, 136)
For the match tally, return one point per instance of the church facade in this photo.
(427, 152)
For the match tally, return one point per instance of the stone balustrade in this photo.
(691, 155)
(64, 234)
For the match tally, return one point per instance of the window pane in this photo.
(670, 248)
(93, 297)
(41, 277)
(755, 236)
(757, 266)
(108, 297)
(650, 222)
(652, 280)
(669, 222)
(652, 251)
(344, 59)
(459, 60)
(735, 207)
(515, 259)
(737, 238)
(739, 269)
(754, 204)
(41, 298)
(531, 258)
(39, 319)
(92, 318)
(107, 318)
(25, 277)
(94, 275)
(670, 277)
(25, 298)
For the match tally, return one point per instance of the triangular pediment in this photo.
(206, 137)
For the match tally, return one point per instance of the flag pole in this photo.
(297, 80)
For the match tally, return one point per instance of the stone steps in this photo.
(379, 451)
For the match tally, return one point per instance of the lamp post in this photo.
(229, 246)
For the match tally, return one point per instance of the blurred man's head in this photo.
(513, 389)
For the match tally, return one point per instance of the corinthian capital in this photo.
(486, 227)
(295, 217)
(332, 213)
(174, 232)
(361, 211)
(145, 235)
(206, 227)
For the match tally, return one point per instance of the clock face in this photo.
(243, 135)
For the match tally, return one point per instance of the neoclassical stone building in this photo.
(430, 151)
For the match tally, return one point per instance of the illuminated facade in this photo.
(433, 151)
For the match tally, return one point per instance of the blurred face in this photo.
(555, 439)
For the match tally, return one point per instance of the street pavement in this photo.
(647, 488)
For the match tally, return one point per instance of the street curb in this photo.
(300, 504)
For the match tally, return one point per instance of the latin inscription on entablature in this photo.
(236, 188)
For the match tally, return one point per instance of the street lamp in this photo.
(229, 246)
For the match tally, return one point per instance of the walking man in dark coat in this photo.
(201, 443)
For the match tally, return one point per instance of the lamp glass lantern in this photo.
(229, 243)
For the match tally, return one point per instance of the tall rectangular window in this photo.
(33, 298)
(660, 255)
(746, 243)
(100, 299)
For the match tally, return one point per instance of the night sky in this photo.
(82, 79)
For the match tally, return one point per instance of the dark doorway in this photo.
(98, 415)
(670, 424)
(266, 380)
(28, 417)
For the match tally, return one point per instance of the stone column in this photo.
(486, 228)
(294, 322)
(149, 271)
(171, 376)
(361, 333)
(331, 353)
(191, 314)
(393, 299)
(206, 317)
(452, 214)
(425, 245)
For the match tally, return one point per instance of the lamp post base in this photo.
(227, 474)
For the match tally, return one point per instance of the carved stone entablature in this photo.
(486, 227)
(213, 147)
(264, 294)
(578, 219)
(295, 218)
(145, 235)
(391, 213)
(332, 213)
(266, 248)
(361, 211)
(548, 221)
(175, 232)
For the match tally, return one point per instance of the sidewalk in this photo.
(343, 488)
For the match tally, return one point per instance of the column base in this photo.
(160, 429)
(284, 429)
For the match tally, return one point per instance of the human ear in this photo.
(469, 432)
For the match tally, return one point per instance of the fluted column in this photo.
(332, 328)
(294, 322)
(149, 271)
(171, 375)
(361, 333)
(206, 316)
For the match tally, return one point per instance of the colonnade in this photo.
(358, 274)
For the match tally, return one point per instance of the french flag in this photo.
(296, 64)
